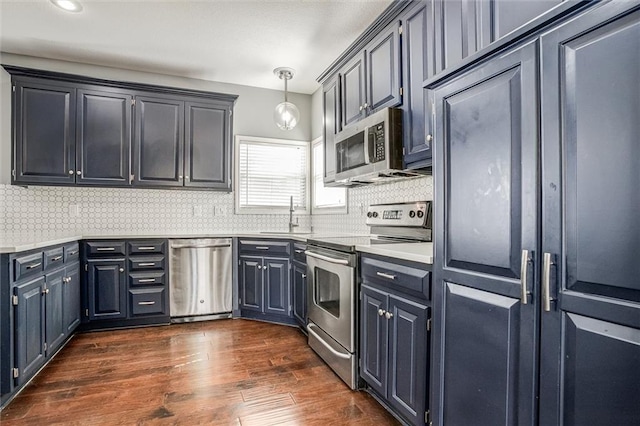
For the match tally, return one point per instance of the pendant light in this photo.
(286, 114)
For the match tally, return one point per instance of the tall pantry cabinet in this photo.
(536, 277)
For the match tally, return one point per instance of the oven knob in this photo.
(369, 214)
(420, 214)
(375, 214)
(412, 214)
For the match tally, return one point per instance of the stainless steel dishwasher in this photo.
(200, 279)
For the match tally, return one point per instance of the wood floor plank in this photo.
(225, 372)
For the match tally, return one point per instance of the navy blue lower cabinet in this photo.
(276, 286)
(251, 283)
(71, 298)
(299, 288)
(54, 310)
(394, 356)
(107, 290)
(29, 322)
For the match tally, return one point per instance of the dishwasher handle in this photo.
(201, 246)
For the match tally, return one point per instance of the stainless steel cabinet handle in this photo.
(70, 172)
(45, 291)
(55, 259)
(146, 303)
(147, 264)
(524, 268)
(327, 258)
(147, 280)
(429, 138)
(34, 265)
(262, 248)
(71, 253)
(299, 251)
(388, 315)
(384, 275)
(259, 267)
(106, 249)
(146, 248)
(547, 261)
(304, 275)
(366, 105)
(78, 172)
(381, 312)
(121, 269)
(361, 107)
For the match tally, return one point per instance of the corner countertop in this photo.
(415, 252)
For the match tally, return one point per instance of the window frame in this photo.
(269, 210)
(323, 210)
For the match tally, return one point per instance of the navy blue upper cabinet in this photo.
(509, 15)
(158, 149)
(487, 235)
(418, 64)
(371, 80)
(44, 132)
(331, 108)
(103, 137)
(208, 145)
(591, 237)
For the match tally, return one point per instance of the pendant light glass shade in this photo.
(286, 114)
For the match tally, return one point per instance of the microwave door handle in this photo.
(367, 137)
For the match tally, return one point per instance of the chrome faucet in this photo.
(291, 210)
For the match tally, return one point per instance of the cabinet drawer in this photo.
(53, 257)
(265, 247)
(148, 301)
(395, 276)
(27, 265)
(146, 262)
(71, 252)
(298, 252)
(146, 278)
(105, 248)
(145, 247)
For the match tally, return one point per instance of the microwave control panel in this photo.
(376, 134)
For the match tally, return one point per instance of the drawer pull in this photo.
(147, 264)
(147, 280)
(299, 251)
(35, 265)
(71, 253)
(387, 276)
(146, 248)
(262, 248)
(55, 259)
(106, 249)
(146, 303)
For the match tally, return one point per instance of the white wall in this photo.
(316, 114)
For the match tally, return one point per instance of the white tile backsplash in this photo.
(104, 211)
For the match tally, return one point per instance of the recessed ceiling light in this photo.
(68, 5)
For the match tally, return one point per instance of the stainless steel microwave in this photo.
(370, 149)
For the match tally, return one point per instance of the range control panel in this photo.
(415, 214)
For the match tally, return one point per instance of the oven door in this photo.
(331, 296)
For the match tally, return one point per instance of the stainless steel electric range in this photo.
(332, 266)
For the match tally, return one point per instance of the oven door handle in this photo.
(327, 258)
(326, 345)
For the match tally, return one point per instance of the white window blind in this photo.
(325, 199)
(270, 171)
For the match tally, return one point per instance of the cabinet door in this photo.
(29, 328)
(383, 70)
(208, 145)
(159, 142)
(487, 125)
(251, 283)
(54, 307)
(103, 137)
(331, 108)
(71, 298)
(44, 126)
(276, 286)
(418, 64)
(462, 28)
(107, 289)
(300, 293)
(408, 358)
(353, 91)
(509, 15)
(373, 339)
(591, 333)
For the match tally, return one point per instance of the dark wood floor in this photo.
(236, 372)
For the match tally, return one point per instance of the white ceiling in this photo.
(231, 41)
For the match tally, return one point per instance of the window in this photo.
(269, 172)
(325, 199)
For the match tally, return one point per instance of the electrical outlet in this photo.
(74, 210)
(197, 211)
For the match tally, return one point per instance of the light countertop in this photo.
(415, 252)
